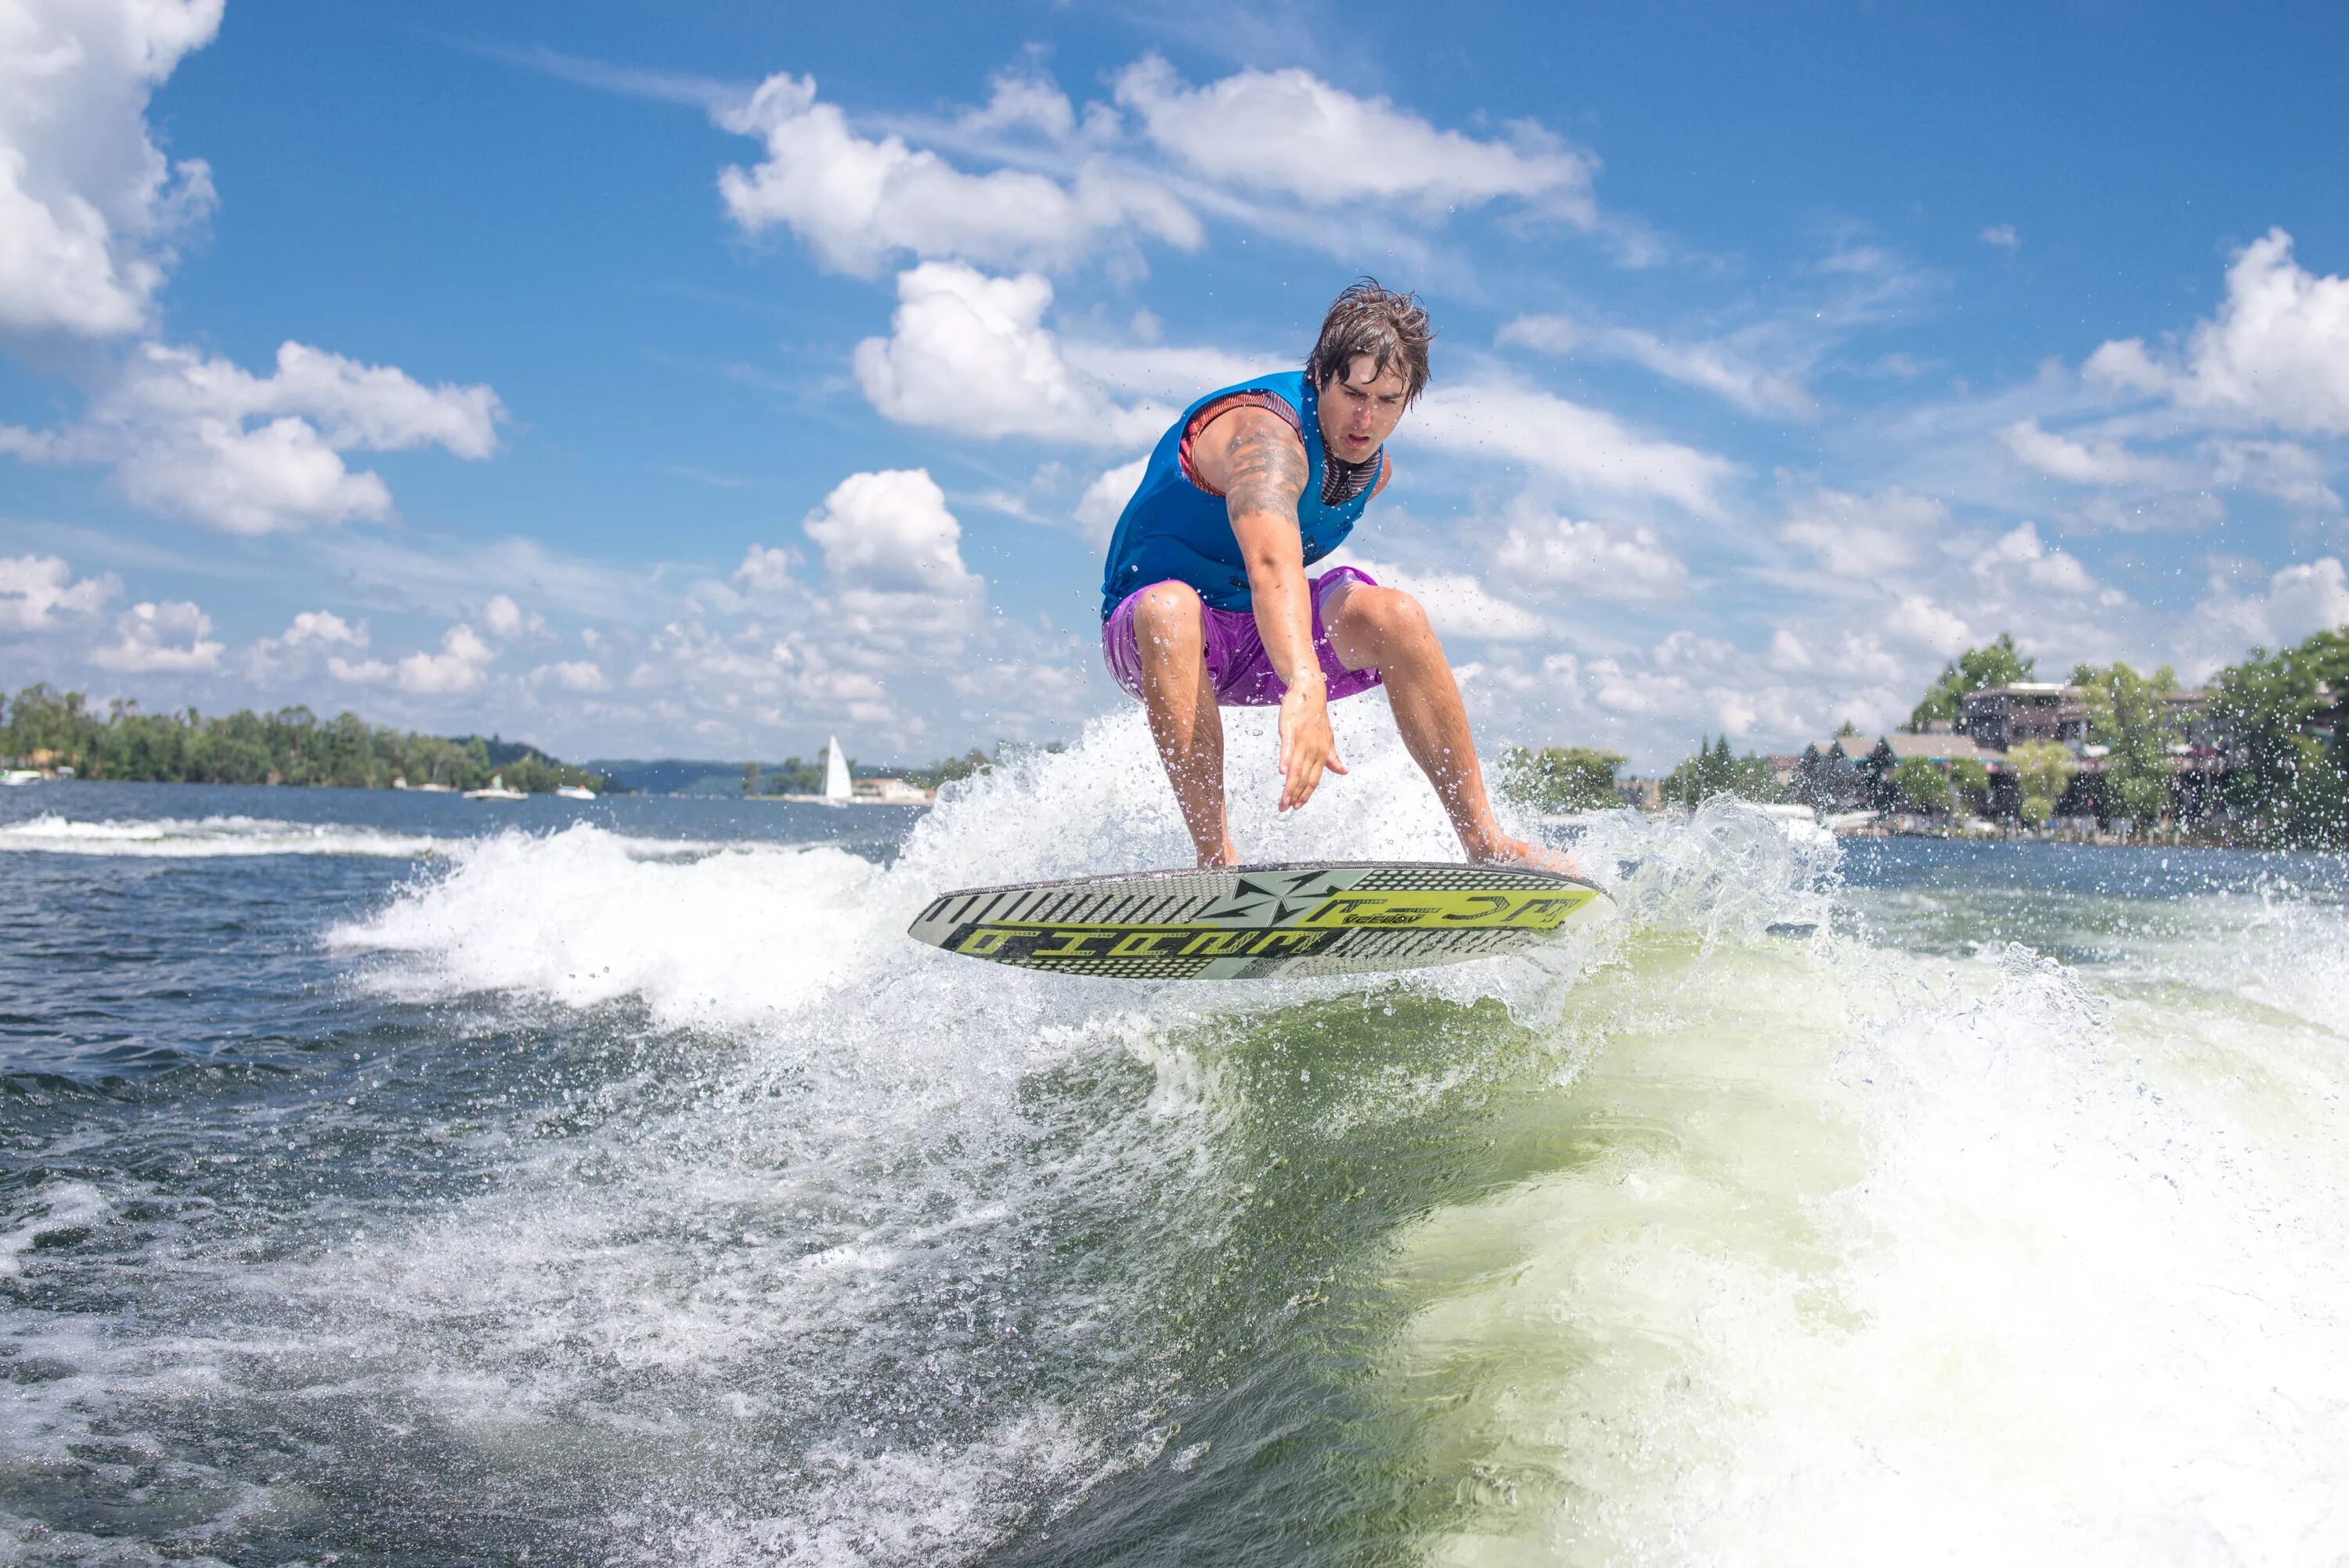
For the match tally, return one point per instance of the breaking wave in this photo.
(208, 838)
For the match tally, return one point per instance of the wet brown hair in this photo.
(1392, 328)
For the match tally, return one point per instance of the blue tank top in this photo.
(1174, 529)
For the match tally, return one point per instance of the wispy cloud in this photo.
(708, 93)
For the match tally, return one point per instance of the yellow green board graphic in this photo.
(1257, 921)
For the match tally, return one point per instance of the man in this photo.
(1206, 600)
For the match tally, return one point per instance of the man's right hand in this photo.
(1307, 747)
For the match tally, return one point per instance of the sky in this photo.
(697, 380)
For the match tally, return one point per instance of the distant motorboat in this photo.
(496, 791)
(575, 792)
(19, 776)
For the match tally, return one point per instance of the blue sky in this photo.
(678, 380)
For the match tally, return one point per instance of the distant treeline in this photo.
(41, 727)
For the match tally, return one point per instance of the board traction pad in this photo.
(1253, 923)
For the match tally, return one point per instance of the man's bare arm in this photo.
(1257, 461)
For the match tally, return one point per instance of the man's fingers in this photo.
(1334, 765)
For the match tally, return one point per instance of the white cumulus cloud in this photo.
(171, 638)
(89, 206)
(323, 629)
(573, 674)
(971, 353)
(857, 203)
(1560, 556)
(35, 590)
(508, 621)
(765, 570)
(890, 532)
(310, 633)
(462, 665)
(2305, 597)
(1916, 621)
(1289, 133)
(2021, 551)
(2277, 351)
(206, 439)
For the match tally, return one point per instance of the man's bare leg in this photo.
(1385, 629)
(1180, 699)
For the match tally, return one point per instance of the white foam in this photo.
(1935, 1264)
(173, 838)
(725, 937)
(742, 937)
(58, 1207)
(1899, 1259)
(862, 1138)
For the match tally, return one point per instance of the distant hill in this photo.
(689, 776)
(673, 776)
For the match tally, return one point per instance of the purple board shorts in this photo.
(1237, 662)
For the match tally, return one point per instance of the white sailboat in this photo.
(836, 786)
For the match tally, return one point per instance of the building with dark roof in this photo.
(2003, 717)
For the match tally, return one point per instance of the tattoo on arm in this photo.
(1265, 469)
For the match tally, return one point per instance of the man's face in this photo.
(1360, 408)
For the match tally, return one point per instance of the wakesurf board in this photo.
(1253, 923)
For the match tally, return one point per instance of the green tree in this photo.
(1921, 786)
(2283, 784)
(292, 745)
(948, 769)
(1561, 778)
(1970, 784)
(1977, 669)
(2128, 714)
(2043, 771)
(1713, 770)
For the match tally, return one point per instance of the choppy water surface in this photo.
(395, 1178)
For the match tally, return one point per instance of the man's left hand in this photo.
(1307, 747)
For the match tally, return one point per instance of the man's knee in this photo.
(1387, 616)
(1167, 619)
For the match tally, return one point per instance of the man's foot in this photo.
(1508, 852)
(1226, 856)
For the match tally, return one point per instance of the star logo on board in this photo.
(1268, 899)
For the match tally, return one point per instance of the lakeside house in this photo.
(1851, 772)
(892, 792)
(2000, 718)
